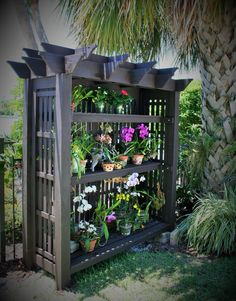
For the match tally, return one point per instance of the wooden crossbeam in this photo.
(112, 64)
(54, 61)
(57, 49)
(72, 61)
(38, 66)
(181, 84)
(140, 70)
(32, 53)
(21, 69)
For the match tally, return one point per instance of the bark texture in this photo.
(218, 73)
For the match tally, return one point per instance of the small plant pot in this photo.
(137, 159)
(92, 244)
(83, 164)
(118, 165)
(74, 246)
(108, 166)
(100, 108)
(124, 160)
(119, 109)
(125, 229)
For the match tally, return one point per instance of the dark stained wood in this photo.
(62, 166)
(102, 117)
(21, 69)
(28, 177)
(116, 246)
(32, 53)
(181, 84)
(138, 73)
(72, 61)
(54, 61)
(2, 206)
(101, 175)
(57, 49)
(38, 66)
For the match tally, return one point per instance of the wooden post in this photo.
(28, 176)
(171, 157)
(2, 207)
(63, 118)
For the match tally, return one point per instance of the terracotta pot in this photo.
(91, 246)
(83, 163)
(108, 166)
(124, 159)
(137, 159)
(118, 165)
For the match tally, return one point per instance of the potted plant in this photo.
(81, 146)
(88, 236)
(100, 99)
(120, 100)
(125, 226)
(84, 232)
(137, 142)
(80, 93)
(100, 215)
(111, 159)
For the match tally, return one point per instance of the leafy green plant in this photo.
(81, 93)
(100, 214)
(211, 227)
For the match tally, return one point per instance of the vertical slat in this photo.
(45, 200)
(28, 176)
(63, 118)
(171, 157)
(2, 206)
(49, 195)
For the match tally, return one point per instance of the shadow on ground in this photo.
(175, 276)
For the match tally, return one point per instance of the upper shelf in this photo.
(102, 117)
(90, 177)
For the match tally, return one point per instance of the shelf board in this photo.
(116, 244)
(102, 175)
(105, 117)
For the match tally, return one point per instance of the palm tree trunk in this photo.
(218, 74)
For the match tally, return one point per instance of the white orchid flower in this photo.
(84, 202)
(80, 209)
(142, 179)
(76, 199)
(87, 207)
(94, 188)
(118, 189)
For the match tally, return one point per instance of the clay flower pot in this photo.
(108, 166)
(118, 165)
(91, 245)
(83, 163)
(124, 159)
(137, 159)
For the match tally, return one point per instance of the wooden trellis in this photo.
(49, 79)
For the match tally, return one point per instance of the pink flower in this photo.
(124, 92)
(143, 131)
(127, 134)
(111, 217)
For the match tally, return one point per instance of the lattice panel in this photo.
(45, 236)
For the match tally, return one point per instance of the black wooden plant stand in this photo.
(49, 79)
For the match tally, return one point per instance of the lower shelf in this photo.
(116, 244)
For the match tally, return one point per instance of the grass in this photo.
(174, 276)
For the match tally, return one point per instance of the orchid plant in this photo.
(135, 140)
(81, 199)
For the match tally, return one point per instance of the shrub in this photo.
(211, 227)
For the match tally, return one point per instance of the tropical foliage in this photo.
(211, 228)
(201, 31)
